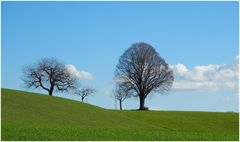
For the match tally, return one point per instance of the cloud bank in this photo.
(208, 77)
(78, 73)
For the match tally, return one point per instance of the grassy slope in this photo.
(28, 116)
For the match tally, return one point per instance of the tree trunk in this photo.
(50, 93)
(51, 90)
(142, 101)
(120, 102)
(82, 99)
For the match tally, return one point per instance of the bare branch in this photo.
(141, 71)
(48, 74)
(84, 92)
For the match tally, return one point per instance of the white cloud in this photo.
(206, 77)
(78, 73)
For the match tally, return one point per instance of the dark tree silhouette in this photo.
(48, 74)
(141, 71)
(84, 92)
(120, 94)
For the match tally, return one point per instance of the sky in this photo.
(199, 41)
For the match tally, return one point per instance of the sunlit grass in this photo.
(29, 116)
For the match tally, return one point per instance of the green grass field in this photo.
(29, 116)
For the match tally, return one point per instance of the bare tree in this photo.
(141, 71)
(48, 74)
(120, 94)
(84, 92)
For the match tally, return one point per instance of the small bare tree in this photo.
(120, 94)
(141, 71)
(48, 74)
(84, 92)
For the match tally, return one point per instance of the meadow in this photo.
(31, 116)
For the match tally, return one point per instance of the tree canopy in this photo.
(48, 74)
(141, 70)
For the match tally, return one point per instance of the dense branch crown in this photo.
(141, 70)
(49, 74)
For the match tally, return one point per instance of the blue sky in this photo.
(197, 39)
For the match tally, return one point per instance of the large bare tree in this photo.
(141, 70)
(48, 74)
(84, 92)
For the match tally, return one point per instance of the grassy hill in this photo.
(29, 116)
